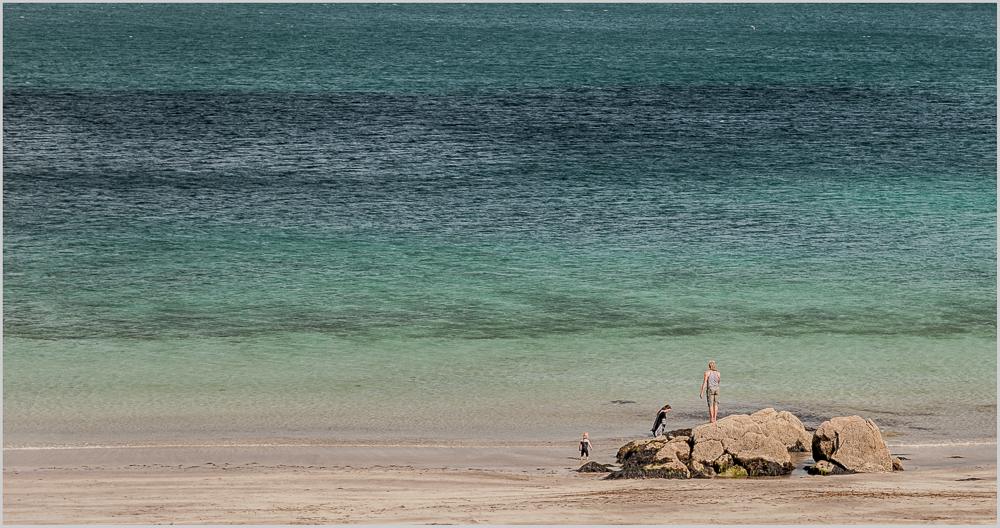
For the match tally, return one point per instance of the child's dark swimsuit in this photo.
(661, 419)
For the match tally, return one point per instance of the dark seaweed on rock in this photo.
(764, 468)
(825, 467)
(635, 464)
(594, 467)
(635, 461)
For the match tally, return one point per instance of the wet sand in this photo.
(467, 485)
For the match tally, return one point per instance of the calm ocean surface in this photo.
(495, 223)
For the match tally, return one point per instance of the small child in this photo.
(661, 419)
(585, 446)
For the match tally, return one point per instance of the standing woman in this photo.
(711, 382)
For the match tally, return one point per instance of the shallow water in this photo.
(491, 222)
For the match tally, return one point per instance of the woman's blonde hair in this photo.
(711, 365)
(586, 435)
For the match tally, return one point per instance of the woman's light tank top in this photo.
(713, 379)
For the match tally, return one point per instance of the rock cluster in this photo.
(657, 457)
(757, 445)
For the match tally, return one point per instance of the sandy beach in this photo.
(526, 484)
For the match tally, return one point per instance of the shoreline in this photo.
(429, 454)
(469, 485)
(893, 441)
(560, 457)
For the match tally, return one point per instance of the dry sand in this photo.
(467, 485)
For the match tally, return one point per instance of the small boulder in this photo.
(825, 467)
(699, 470)
(897, 464)
(853, 443)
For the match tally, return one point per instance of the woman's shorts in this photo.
(713, 396)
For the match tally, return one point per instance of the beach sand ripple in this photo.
(283, 487)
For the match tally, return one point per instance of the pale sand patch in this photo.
(507, 486)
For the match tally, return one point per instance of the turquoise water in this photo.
(418, 223)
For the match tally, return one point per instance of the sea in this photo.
(494, 224)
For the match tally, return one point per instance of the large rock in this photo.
(665, 469)
(728, 428)
(784, 427)
(707, 451)
(853, 443)
(740, 444)
(677, 449)
(760, 456)
(654, 458)
(640, 446)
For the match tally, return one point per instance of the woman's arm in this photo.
(703, 383)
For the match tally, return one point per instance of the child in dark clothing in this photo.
(585, 447)
(661, 419)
